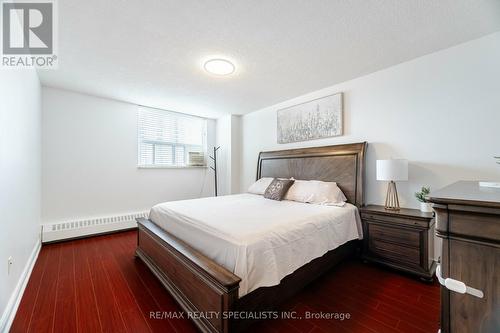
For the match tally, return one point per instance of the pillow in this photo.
(278, 188)
(260, 186)
(316, 192)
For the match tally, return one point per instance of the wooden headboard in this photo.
(344, 164)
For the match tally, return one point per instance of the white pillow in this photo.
(316, 192)
(260, 186)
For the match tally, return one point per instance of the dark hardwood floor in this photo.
(96, 285)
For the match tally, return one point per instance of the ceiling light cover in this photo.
(219, 67)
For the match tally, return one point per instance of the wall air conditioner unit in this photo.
(196, 158)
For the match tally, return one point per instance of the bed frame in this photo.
(202, 286)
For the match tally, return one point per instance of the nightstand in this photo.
(401, 239)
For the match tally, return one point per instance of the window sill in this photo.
(171, 167)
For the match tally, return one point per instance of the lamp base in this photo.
(391, 199)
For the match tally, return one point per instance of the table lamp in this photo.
(392, 170)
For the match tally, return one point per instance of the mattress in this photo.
(259, 240)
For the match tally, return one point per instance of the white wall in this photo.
(441, 112)
(223, 139)
(228, 157)
(235, 153)
(20, 166)
(90, 161)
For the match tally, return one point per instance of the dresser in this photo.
(468, 221)
(400, 239)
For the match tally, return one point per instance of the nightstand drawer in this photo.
(396, 235)
(401, 239)
(395, 219)
(393, 251)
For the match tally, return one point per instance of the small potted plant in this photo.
(421, 196)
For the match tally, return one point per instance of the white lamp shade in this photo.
(392, 169)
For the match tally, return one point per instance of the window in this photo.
(170, 139)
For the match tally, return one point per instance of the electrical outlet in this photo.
(10, 262)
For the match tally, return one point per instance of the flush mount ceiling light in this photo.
(219, 66)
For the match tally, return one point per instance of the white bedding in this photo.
(258, 239)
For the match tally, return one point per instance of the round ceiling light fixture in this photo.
(221, 67)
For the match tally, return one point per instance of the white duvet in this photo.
(258, 239)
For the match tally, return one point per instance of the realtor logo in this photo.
(28, 34)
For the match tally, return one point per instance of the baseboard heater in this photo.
(85, 227)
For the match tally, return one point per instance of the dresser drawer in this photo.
(400, 236)
(394, 252)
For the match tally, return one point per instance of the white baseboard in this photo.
(14, 300)
(89, 226)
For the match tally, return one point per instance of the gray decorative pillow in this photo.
(278, 188)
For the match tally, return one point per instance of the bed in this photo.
(213, 265)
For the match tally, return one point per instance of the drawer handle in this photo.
(457, 286)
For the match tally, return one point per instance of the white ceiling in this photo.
(150, 52)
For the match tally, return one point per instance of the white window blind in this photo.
(170, 139)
